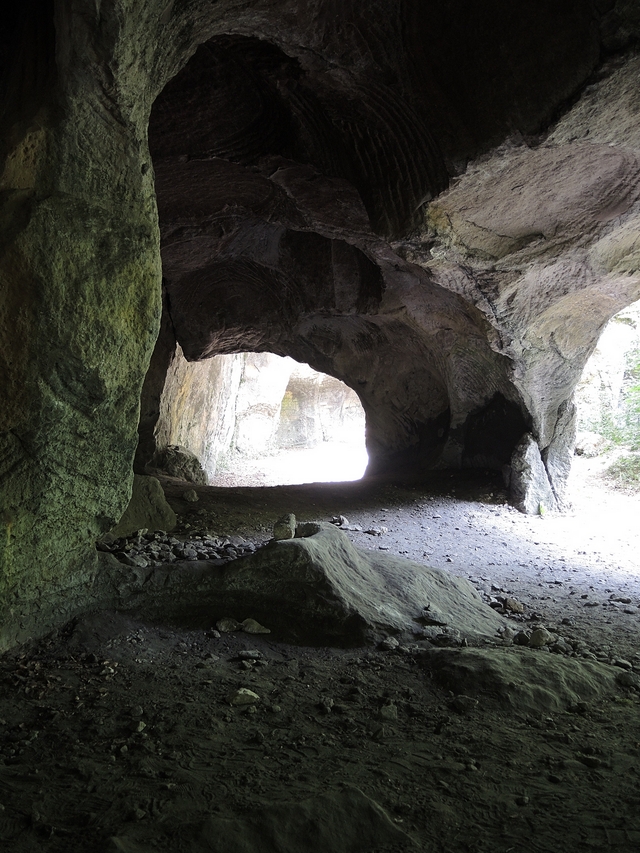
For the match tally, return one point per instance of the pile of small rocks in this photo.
(145, 549)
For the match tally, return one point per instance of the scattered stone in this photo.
(226, 625)
(389, 644)
(519, 679)
(430, 616)
(623, 664)
(540, 637)
(177, 461)
(562, 647)
(250, 626)
(148, 508)
(463, 704)
(513, 605)
(250, 654)
(591, 761)
(321, 588)
(590, 444)
(628, 679)
(244, 696)
(285, 527)
(389, 712)
(522, 638)
(377, 531)
(191, 496)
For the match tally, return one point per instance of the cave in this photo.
(436, 204)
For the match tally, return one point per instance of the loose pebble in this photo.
(226, 625)
(250, 626)
(389, 712)
(244, 696)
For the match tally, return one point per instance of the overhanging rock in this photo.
(316, 588)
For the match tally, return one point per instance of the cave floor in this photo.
(116, 734)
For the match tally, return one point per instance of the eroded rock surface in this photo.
(462, 323)
(375, 189)
(518, 681)
(148, 508)
(316, 588)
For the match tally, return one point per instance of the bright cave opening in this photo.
(274, 421)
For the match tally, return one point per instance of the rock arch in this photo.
(427, 203)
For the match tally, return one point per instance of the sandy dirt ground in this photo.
(116, 734)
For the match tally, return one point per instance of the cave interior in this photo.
(437, 204)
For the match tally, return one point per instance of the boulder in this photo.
(147, 508)
(316, 588)
(519, 680)
(530, 488)
(285, 527)
(177, 461)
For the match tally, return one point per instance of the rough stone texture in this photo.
(79, 291)
(317, 408)
(301, 157)
(179, 462)
(193, 406)
(343, 821)
(315, 588)
(520, 681)
(557, 456)
(147, 508)
(285, 527)
(529, 485)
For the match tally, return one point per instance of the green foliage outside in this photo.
(625, 473)
(623, 427)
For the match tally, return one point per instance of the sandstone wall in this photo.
(371, 188)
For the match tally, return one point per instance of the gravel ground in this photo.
(117, 735)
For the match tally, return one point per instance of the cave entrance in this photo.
(279, 422)
(608, 405)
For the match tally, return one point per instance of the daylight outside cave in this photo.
(608, 403)
(260, 419)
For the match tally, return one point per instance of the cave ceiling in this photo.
(376, 189)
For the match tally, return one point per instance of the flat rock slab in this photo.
(344, 821)
(519, 680)
(317, 588)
